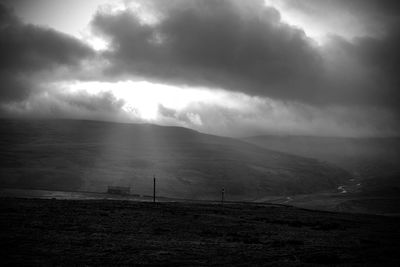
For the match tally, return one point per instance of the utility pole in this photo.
(154, 188)
(222, 195)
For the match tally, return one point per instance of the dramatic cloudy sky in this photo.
(227, 67)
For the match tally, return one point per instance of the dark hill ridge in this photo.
(373, 163)
(368, 157)
(89, 155)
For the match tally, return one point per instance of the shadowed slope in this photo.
(373, 162)
(363, 156)
(88, 155)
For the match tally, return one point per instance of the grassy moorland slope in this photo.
(373, 163)
(109, 233)
(89, 155)
(366, 157)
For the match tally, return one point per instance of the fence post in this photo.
(154, 188)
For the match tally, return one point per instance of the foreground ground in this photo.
(101, 232)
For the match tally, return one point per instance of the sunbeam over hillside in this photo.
(213, 104)
(89, 155)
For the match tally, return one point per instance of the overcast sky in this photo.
(227, 67)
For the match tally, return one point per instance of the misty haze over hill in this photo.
(89, 155)
(366, 157)
(372, 162)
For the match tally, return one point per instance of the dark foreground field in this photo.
(97, 232)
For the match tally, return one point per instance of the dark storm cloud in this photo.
(362, 69)
(73, 105)
(346, 86)
(214, 43)
(365, 69)
(246, 47)
(343, 17)
(26, 50)
(383, 54)
(369, 11)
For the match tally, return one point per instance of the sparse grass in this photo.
(66, 232)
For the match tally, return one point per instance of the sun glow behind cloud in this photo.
(143, 98)
(320, 20)
(256, 98)
(313, 30)
(207, 110)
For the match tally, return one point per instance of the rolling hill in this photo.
(90, 155)
(373, 163)
(366, 157)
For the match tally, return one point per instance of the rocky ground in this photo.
(104, 232)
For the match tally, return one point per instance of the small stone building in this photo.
(119, 190)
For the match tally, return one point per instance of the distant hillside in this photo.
(363, 156)
(89, 155)
(374, 162)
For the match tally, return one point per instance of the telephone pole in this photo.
(154, 188)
